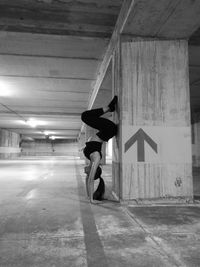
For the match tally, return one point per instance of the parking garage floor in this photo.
(46, 220)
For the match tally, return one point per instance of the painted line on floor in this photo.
(95, 252)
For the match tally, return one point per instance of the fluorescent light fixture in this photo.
(22, 122)
(52, 137)
(4, 89)
(46, 133)
(32, 122)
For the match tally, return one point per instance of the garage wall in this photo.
(9, 144)
(50, 148)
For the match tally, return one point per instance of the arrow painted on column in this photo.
(140, 136)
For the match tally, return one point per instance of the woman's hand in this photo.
(95, 202)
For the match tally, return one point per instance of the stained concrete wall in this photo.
(9, 144)
(49, 147)
(152, 82)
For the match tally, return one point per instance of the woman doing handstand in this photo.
(92, 151)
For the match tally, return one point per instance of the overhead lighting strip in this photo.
(29, 122)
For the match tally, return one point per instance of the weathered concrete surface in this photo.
(46, 220)
(153, 145)
(175, 229)
(9, 144)
(40, 222)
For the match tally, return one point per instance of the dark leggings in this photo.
(107, 129)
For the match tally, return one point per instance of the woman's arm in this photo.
(86, 185)
(95, 160)
(87, 171)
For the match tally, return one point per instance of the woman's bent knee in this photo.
(84, 116)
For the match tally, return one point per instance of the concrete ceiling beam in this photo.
(150, 18)
(163, 19)
(122, 18)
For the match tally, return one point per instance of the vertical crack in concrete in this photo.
(95, 253)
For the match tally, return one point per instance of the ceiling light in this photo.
(4, 91)
(46, 133)
(32, 122)
(52, 137)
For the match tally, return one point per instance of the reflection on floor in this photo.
(46, 220)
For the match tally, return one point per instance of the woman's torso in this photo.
(92, 146)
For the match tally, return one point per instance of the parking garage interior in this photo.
(60, 58)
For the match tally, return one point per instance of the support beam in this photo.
(152, 152)
(150, 18)
(9, 144)
(167, 19)
(124, 14)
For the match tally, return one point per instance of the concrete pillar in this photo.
(103, 150)
(109, 149)
(196, 152)
(196, 140)
(152, 152)
(9, 144)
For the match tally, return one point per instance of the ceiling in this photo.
(51, 52)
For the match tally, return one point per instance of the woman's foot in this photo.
(113, 103)
(95, 202)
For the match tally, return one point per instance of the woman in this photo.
(99, 193)
(92, 151)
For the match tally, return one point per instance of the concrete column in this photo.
(9, 144)
(152, 152)
(196, 140)
(109, 149)
(103, 150)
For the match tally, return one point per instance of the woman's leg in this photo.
(95, 160)
(91, 117)
(107, 129)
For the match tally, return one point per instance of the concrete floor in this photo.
(46, 220)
